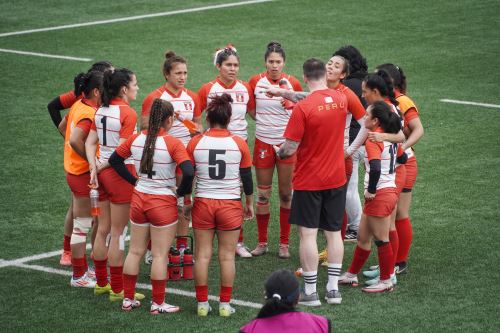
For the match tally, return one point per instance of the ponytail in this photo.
(219, 110)
(381, 81)
(282, 294)
(160, 111)
(85, 83)
(113, 82)
(397, 75)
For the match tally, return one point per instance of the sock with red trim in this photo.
(129, 282)
(116, 277)
(284, 225)
(225, 294)
(358, 260)
(158, 290)
(201, 293)
(262, 223)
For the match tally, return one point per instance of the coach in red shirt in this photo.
(316, 132)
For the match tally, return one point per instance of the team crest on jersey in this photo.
(328, 99)
(240, 97)
(188, 106)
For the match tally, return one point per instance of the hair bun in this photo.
(273, 45)
(169, 54)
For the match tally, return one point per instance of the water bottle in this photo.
(287, 104)
(94, 202)
(188, 265)
(174, 265)
(190, 125)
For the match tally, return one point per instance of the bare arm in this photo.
(90, 150)
(62, 127)
(199, 124)
(144, 122)
(287, 149)
(359, 140)
(416, 132)
(293, 96)
(77, 141)
(394, 138)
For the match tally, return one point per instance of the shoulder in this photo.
(245, 85)
(192, 94)
(405, 103)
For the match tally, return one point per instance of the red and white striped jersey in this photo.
(243, 100)
(354, 109)
(387, 153)
(169, 152)
(218, 156)
(113, 123)
(186, 102)
(271, 117)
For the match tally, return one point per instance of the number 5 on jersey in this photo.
(216, 167)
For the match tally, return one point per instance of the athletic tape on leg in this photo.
(108, 239)
(121, 244)
(81, 227)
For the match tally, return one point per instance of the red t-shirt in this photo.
(317, 122)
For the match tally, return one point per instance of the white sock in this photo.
(333, 276)
(310, 279)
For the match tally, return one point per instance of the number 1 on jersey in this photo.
(103, 122)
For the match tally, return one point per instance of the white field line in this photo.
(22, 263)
(132, 18)
(45, 55)
(453, 101)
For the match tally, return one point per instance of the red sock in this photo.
(240, 239)
(149, 245)
(159, 290)
(358, 260)
(394, 240)
(405, 233)
(284, 225)
(85, 263)
(262, 223)
(344, 225)
(67, 244)
(225, 294)
(101, 272)
(201, 293)
(116, 275)
(129, 282)
(78, 267)
(181, 242)
(385, 260)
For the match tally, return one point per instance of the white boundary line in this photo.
(45, 55)
(131, 18)
(453, 101)
(22, 263)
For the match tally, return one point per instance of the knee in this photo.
(285, 197)
(136, 251)
(226, 256)
(263, 195)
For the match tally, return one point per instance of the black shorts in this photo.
(319, 209)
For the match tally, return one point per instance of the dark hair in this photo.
(389, 121)
(160, 111)
(219, 110)
(357, 62)
(381, 81)
(274, 47)
(101, 66)
(397, 75)
(347, 68)
(225, 53)
(282, 294)
(314, 69)
(113, 82)
(170, 59)
(85, 83)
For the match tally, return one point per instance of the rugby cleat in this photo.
(82, 282)
(348, 278)
(333, 297)
(65, 258)
(130, 304)
(98, 290)
(226, 310)
(163, 308)
(204, 309)
(260, 249)
(115, 297)
(380, 287)
(242, 251)
(309, 300)
(283, 251)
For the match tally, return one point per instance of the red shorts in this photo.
(79, 184)
(217, 214)
(348, 168)
(411, 174)
(117, 189)
(153, 209)
(264, 156)
(400, 177)
(383, 204)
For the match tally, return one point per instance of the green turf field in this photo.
(448, 49)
